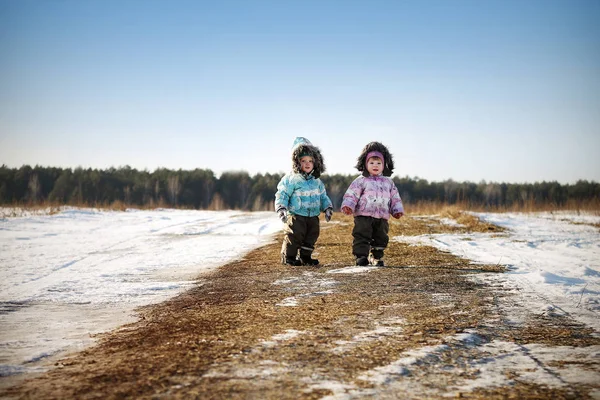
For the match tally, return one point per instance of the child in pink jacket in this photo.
(372, 197)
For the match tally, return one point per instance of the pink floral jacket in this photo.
(373, 196)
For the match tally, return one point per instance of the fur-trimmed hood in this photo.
(302, 147)
(361, 162)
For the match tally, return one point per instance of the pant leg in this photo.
(312, 234)
(295, 231)
(380, 237)
(362, 234)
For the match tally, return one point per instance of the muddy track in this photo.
(422, 327)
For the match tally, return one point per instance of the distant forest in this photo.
(201, 189)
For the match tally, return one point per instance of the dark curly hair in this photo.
(361, 161)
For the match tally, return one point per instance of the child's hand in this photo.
(328, 214)
(347, 210)
(282, 215)
(398, 215)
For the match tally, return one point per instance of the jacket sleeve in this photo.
(284, 191)
(396, 205)
(325, 200)
(353, 193)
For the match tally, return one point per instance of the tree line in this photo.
(201, 189)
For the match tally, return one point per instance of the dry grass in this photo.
(213, 341)
(433, 208)
(417, 208)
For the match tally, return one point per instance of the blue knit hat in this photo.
(301, 141)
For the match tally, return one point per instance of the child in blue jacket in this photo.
(299, 200)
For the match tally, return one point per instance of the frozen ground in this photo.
(67, 276)
(553, 256)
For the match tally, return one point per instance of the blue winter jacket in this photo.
(302, 195)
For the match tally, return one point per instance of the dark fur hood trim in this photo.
(314, 152)
(388, 168)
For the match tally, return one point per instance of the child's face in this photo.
(374, 166)
(307, 164)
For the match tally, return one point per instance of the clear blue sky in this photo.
(503, 91)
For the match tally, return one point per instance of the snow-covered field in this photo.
(555, 257)
(66, 276)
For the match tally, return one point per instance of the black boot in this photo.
(290, 261)
(378, 262)
(362, 261)
(309, 261)
(305, 256)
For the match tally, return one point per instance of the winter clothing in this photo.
(362, 261)
(372, 199)
(299, 200)
(328, 214)
(370, 236)
(291, 261)
(301, 194)
(375, 261)
(282, 214)
(372, 154)
(373, 196)
(301, 234)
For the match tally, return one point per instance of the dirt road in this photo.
(426, 326)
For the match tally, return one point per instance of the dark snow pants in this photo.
(370, 235)
(301, 233)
